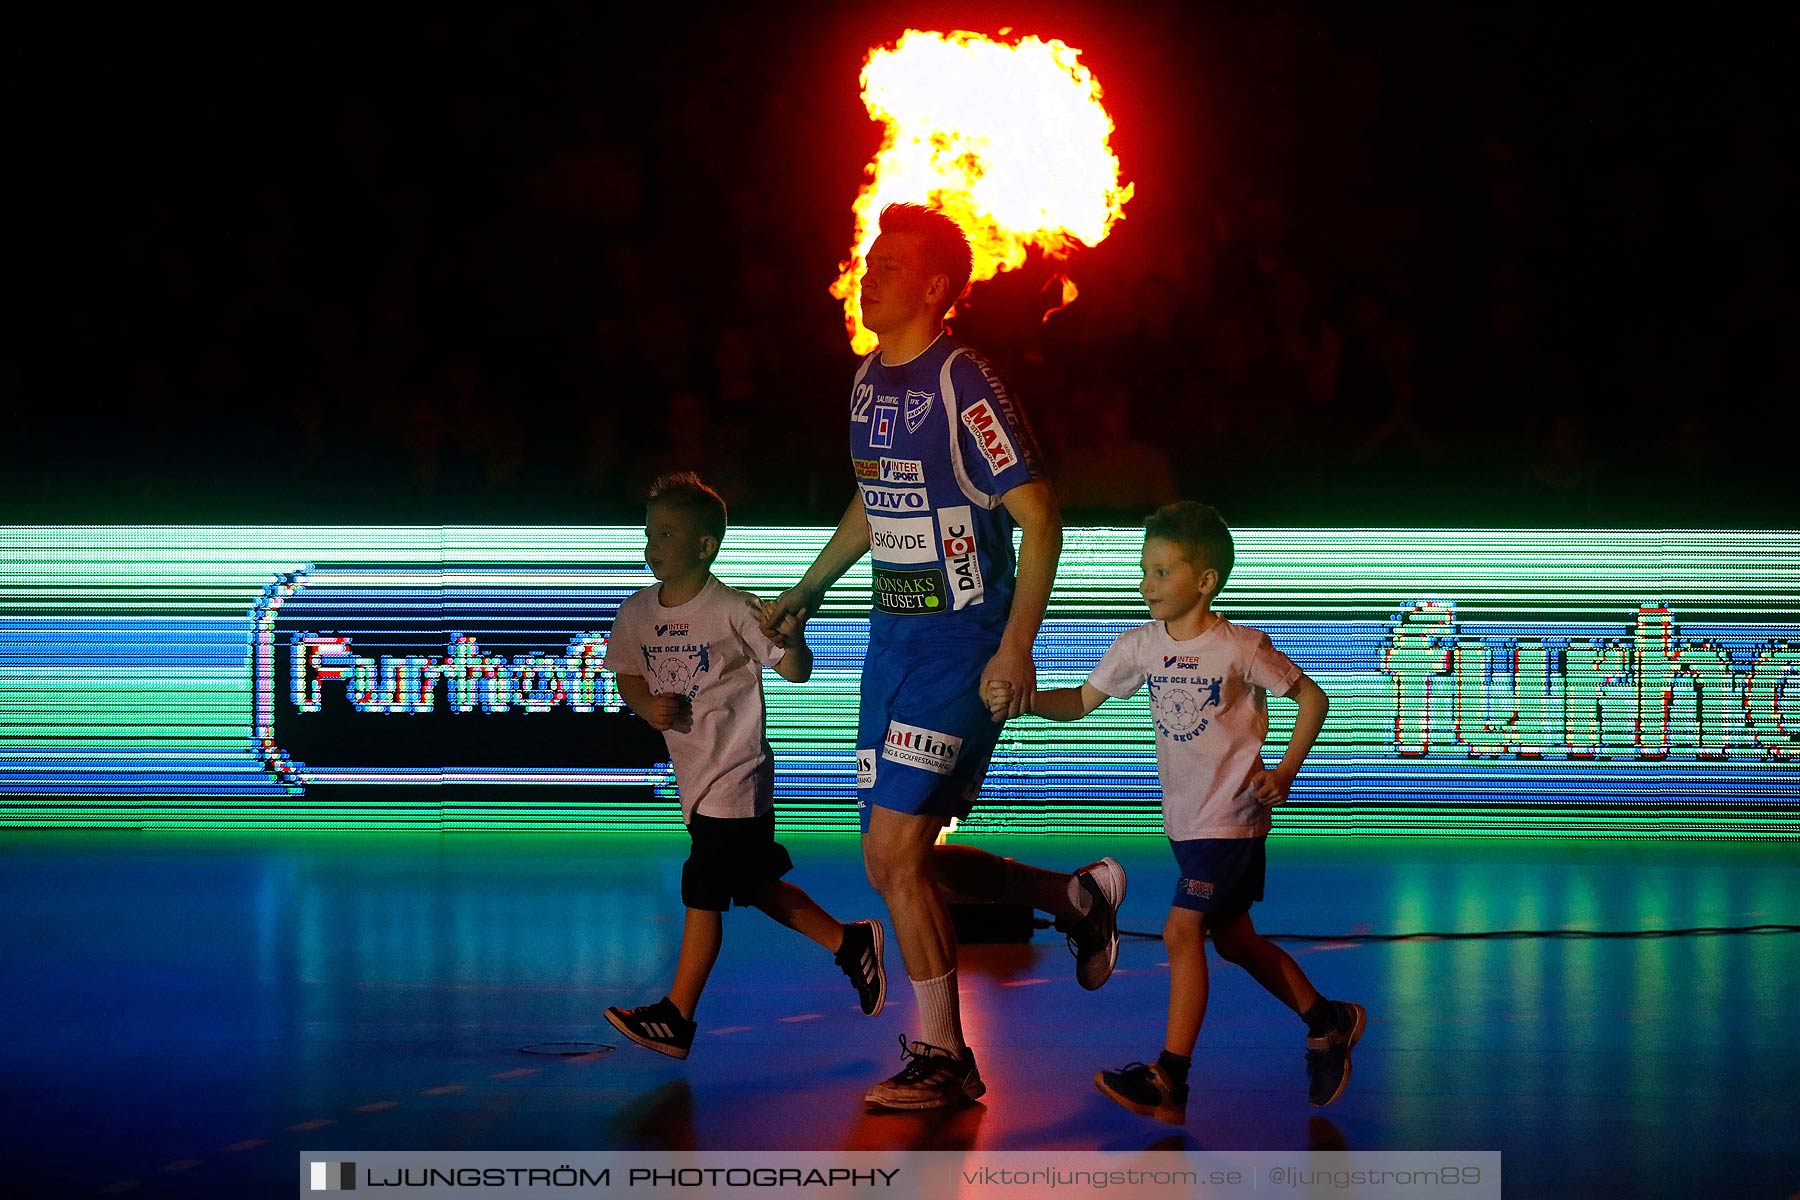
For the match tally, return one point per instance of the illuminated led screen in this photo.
(1483, 682)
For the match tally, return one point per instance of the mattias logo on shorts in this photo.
(926, 749)
(990, 435)
(910, 593)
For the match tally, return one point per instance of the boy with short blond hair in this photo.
(688, 655)
(1208, 682)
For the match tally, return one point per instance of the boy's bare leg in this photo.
(1236, 940)
(976, 876)
(701, 937)
(1184, 936)
(791, 906)
(897, 854)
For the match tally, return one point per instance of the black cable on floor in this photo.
(1506, 934)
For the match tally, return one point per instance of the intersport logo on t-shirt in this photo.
(926, 749)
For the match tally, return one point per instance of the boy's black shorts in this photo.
(732, 859)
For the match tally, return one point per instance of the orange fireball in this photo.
(1009, 139)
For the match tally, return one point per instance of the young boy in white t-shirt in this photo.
(1208, 682)
(688, 655)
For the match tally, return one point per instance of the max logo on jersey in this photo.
(878, 499)
(962, 561)
(990, 435)
(918, 407)
(926, 749)
(887, 413)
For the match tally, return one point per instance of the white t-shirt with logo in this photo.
(711, 650)
(1209, 697)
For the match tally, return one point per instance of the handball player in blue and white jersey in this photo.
(946, 469)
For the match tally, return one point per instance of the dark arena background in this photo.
(346, 344)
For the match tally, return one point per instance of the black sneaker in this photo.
(659, 1027)
(1094, 939)
(1328, 1056)
(1145, 1089)
(860, 957)
(933, 1078)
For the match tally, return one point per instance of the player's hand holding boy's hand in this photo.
(670, 712)
(792, 630)
(1271, 787)
(795, 602)
(997, 694)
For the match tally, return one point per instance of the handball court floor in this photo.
(183, 1014)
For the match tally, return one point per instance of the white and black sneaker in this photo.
(1094, 938)
(659, 1027)
(860, 957)
(931, 1078)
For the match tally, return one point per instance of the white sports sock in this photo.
(940, 1012)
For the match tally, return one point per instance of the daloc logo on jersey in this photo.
(962, 560)
(376, 674)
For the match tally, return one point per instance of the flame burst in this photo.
(1010, 140)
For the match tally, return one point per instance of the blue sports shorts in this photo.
(923, 735)
(1221, 876)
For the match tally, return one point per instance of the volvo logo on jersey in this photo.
(881, 499)
(375, 674)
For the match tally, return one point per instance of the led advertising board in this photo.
(1483, 682)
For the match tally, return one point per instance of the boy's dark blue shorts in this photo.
(1221, 876)
(732, 858)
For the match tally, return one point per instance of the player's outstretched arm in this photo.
(1033, 506)
(1271, 786)
(848, 543)
(1057, 704)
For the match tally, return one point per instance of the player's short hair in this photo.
(946, 246)
(683, 491)
(1200, 532)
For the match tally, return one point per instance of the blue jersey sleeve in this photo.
(998, 450)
